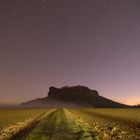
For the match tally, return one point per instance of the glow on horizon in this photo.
(132, 101)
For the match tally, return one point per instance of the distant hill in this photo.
(136, 106)
(75, 96)
(8, 106)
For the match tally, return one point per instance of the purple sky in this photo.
(45, 43)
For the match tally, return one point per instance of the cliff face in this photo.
(72, 94)
(76, 96)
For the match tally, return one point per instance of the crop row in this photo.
(107, 125)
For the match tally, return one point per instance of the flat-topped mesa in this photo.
(72, 93)
(75, 96)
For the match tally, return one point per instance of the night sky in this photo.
(95, 43)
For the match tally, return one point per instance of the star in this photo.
(71, 17)
(104, 32)
(117, 84)
(9, 78)
(26, 24)
(28, 51)
(70, 27)
(75, 38)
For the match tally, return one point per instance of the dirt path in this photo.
(60, 125)
(21, 134)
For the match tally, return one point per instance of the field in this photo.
(12, 121)
(70, 124)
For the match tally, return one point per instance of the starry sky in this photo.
(95, 43)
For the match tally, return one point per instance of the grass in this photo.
(12, 121)
(60, 125)
(112, 123)
(12, 116)
(70, 124)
